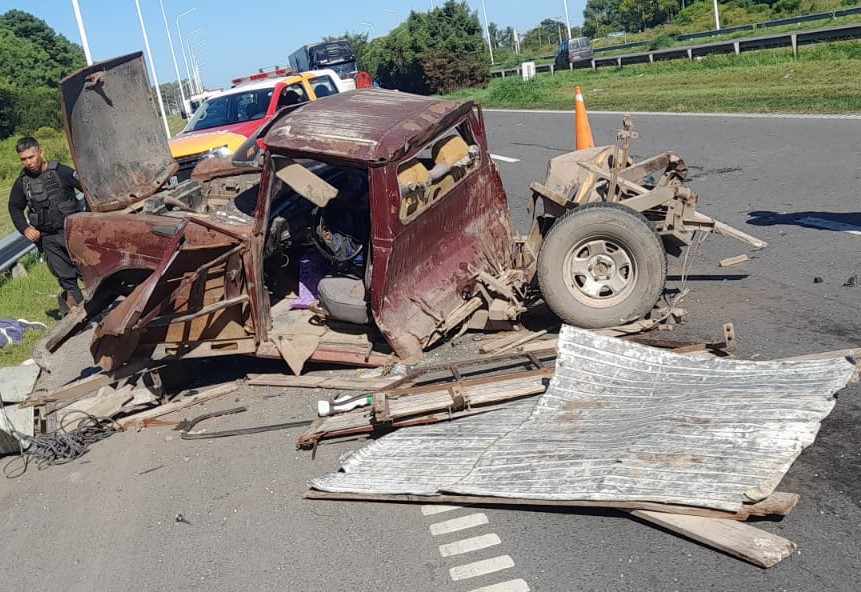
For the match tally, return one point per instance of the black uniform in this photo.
(49, 198)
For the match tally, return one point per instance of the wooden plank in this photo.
(778, 504)
(325, 382)
(106, 403)
(78, 389)
(740, 540)
(497, 342)
(733, 260)
(201, 397)
(523, 340)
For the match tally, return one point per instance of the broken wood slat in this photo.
(311, 438)
(324, 382)
(479, 394)
(497, 342)
(351, 354)
(740, 540)
(733, 260)
(777, 504)
(201, 397)
(80, 388)
(107, 402)
(431, 399)
(521, 341)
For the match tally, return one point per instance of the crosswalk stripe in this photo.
(468, 545)
(480, 568)
(456, 524)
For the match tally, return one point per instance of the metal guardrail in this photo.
(12, 248)
(703, 34)
(736, 46)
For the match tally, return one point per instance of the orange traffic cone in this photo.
(582, 131)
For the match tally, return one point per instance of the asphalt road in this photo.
(107, 522)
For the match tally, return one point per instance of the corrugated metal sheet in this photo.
(619, 422)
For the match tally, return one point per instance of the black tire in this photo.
(602, 265)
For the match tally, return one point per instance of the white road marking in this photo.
(509, 586)
(456, 524)
(468, 545)
(504, 158)
(830, 225)
(438, 509)
(480, 568)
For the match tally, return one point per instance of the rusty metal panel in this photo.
(619, 422)
(366, 126)
(117, 141)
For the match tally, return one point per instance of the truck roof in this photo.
(367, 126)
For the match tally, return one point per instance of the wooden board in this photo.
(182, 403)
(324, 382)
(80, 388)
(740, 540)
(777, 504)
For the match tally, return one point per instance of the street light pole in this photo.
(83, 33)
(567, 21)
(152, 69)
(182, 46)
(173, 55)
(717, 16)
(487, 32)
(195, 65)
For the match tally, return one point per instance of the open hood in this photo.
(117, 142)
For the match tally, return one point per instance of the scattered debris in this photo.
(325, 382)
(139, 419)
(540, 450)
(468, 387)
(186, 426)
(733, 260)
(152, 470)
(62, 446)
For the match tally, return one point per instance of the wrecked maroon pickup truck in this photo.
(364, 215)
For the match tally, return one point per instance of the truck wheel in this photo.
(602, 265)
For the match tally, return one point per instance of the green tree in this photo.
(32, 54)
(431, 52)
(601, 17)
(33, 59)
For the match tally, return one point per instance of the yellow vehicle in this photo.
(225, 120)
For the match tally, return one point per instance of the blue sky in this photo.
(238, 37)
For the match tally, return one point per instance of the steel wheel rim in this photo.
(599, 272)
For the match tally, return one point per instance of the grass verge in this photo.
(33, 298)
(823, 79)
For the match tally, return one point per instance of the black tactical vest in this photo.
(48, 202)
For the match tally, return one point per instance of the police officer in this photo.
(47, 191)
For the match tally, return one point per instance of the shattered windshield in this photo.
(233, 108)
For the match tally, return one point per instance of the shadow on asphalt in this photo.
(831, 221)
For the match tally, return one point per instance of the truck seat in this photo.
(450, 151)
(344, 298)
